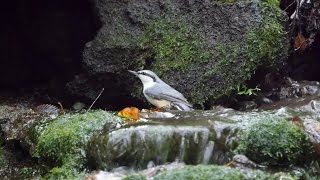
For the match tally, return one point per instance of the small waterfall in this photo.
(137, 146)
(208, 152)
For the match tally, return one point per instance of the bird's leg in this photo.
(156, 109)
(160, 109)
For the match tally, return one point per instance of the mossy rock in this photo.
(62, 142)
(204, 49)
(206, 172)
(183, 56)
(274, 142)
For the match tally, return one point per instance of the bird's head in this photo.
(146, 76)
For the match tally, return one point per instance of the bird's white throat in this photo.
(148, 84)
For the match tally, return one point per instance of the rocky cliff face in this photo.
(205, 49)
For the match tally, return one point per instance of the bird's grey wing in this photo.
(182, 106)
(166, 93)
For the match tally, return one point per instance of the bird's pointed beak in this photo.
(133, 72)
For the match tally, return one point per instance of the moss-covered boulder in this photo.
(275, 142)
(61, 144)
(205, 49)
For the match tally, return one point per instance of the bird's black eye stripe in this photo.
(146, 74)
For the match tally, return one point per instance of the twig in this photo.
(61, 107)
(289, 6)
(295, 14)
(96, 99)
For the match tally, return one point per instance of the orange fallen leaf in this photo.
(129, 112)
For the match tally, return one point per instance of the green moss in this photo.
(206, 172)
(66, 171)
(275, 3)
(119, 37)
(266, 43)
(135, 177)
(274, 142)
(173, 44)
(225, 1)
(62, 142)
(263, 47)
(26, 172)
(311, 172)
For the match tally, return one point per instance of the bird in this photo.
(160, 94)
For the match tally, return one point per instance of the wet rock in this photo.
(120, 173)
(152, 171)
(290, 90)
(312, 129)
(312, 108)
(47, 110)
(78, 106)
(20, 118)
(247, 105)
(16, 163)
(309, 90)
(241, 161)
(295, 89)
(102, 175)
(156, 115)
(16, 144)
(264, 100)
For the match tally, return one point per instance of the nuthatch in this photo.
(161, 94)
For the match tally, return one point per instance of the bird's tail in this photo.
(182, 106)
